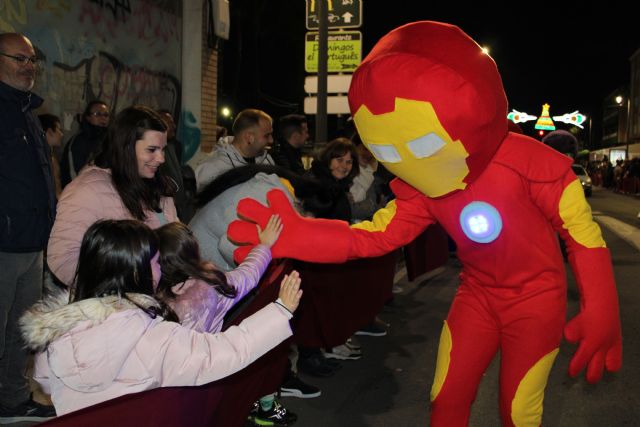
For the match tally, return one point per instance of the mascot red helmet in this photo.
(429, 104)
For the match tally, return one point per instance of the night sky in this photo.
(568, 54)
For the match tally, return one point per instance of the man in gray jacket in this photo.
(252, 135)
(27, 211)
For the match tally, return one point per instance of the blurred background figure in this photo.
(293, 132)
(53, 133)
(562, 141)
(86, 144)
(173, 168)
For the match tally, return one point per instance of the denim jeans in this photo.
(20, 287)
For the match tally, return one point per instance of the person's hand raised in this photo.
(290, 292)
(271, 231)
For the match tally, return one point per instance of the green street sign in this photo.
(344, 50)
(340, 13)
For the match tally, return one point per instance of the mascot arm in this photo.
(330, 241)
(596, 328)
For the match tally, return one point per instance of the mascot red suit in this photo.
(429, 105)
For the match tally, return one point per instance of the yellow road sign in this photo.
(344, 51)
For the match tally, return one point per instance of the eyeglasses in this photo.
(99, 114)
(22, 60)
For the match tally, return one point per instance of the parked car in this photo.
(583, 176)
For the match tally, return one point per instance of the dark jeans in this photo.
(20, 287)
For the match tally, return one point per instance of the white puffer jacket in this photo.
(102, 348)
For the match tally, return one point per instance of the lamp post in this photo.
(627, 108)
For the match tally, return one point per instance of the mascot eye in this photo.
(385, 153)
(426, 145)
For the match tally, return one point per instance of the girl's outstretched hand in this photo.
(271, 231)
(290, 292)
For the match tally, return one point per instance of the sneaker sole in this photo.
(371, 334)
(298, 394)
(260, 422)
(341, 357)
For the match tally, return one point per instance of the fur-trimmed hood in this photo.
(52, 317)
(87, 344)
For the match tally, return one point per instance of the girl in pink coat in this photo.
(122, 183)
(115, 338)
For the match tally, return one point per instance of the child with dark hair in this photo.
(115, 338)
(201, 294)
(196, 290)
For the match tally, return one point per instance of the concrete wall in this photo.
(121, 51)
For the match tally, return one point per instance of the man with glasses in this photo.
(27, 211)
(83, 146)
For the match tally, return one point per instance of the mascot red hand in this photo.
(597, 326)
(299, 238)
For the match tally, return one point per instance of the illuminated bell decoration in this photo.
(480, 222)
(545, 122)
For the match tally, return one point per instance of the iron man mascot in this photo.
(429, 105)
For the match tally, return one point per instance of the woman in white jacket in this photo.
(114, 338)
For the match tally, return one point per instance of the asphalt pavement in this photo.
(390, 385)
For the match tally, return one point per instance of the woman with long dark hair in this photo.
(114, 338)
(123, 183)
(336, 165)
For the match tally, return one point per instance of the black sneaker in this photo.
(373, 329)
(278, 415)
(26, 411)
(317, 365)
(295, 387)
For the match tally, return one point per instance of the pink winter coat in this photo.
(200, 307)
(102, 348)
(89, 198)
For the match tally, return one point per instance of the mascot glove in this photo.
(305, 239)
(597, 327)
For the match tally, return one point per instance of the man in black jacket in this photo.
(293, 132)
(27, 211)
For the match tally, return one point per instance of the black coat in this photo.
(27, 191)
(340, 208)
(287, 156)
(83, 146)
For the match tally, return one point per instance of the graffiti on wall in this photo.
(107, 78)
(123, 52)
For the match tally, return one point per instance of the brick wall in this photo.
(209, 111)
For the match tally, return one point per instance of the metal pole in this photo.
(323, 33)
(626, 127)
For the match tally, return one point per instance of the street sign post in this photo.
(344, 51)
(336, 83)
(340, 14)
(335, 105)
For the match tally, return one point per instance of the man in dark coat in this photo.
(293, 132)
(27, 210)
